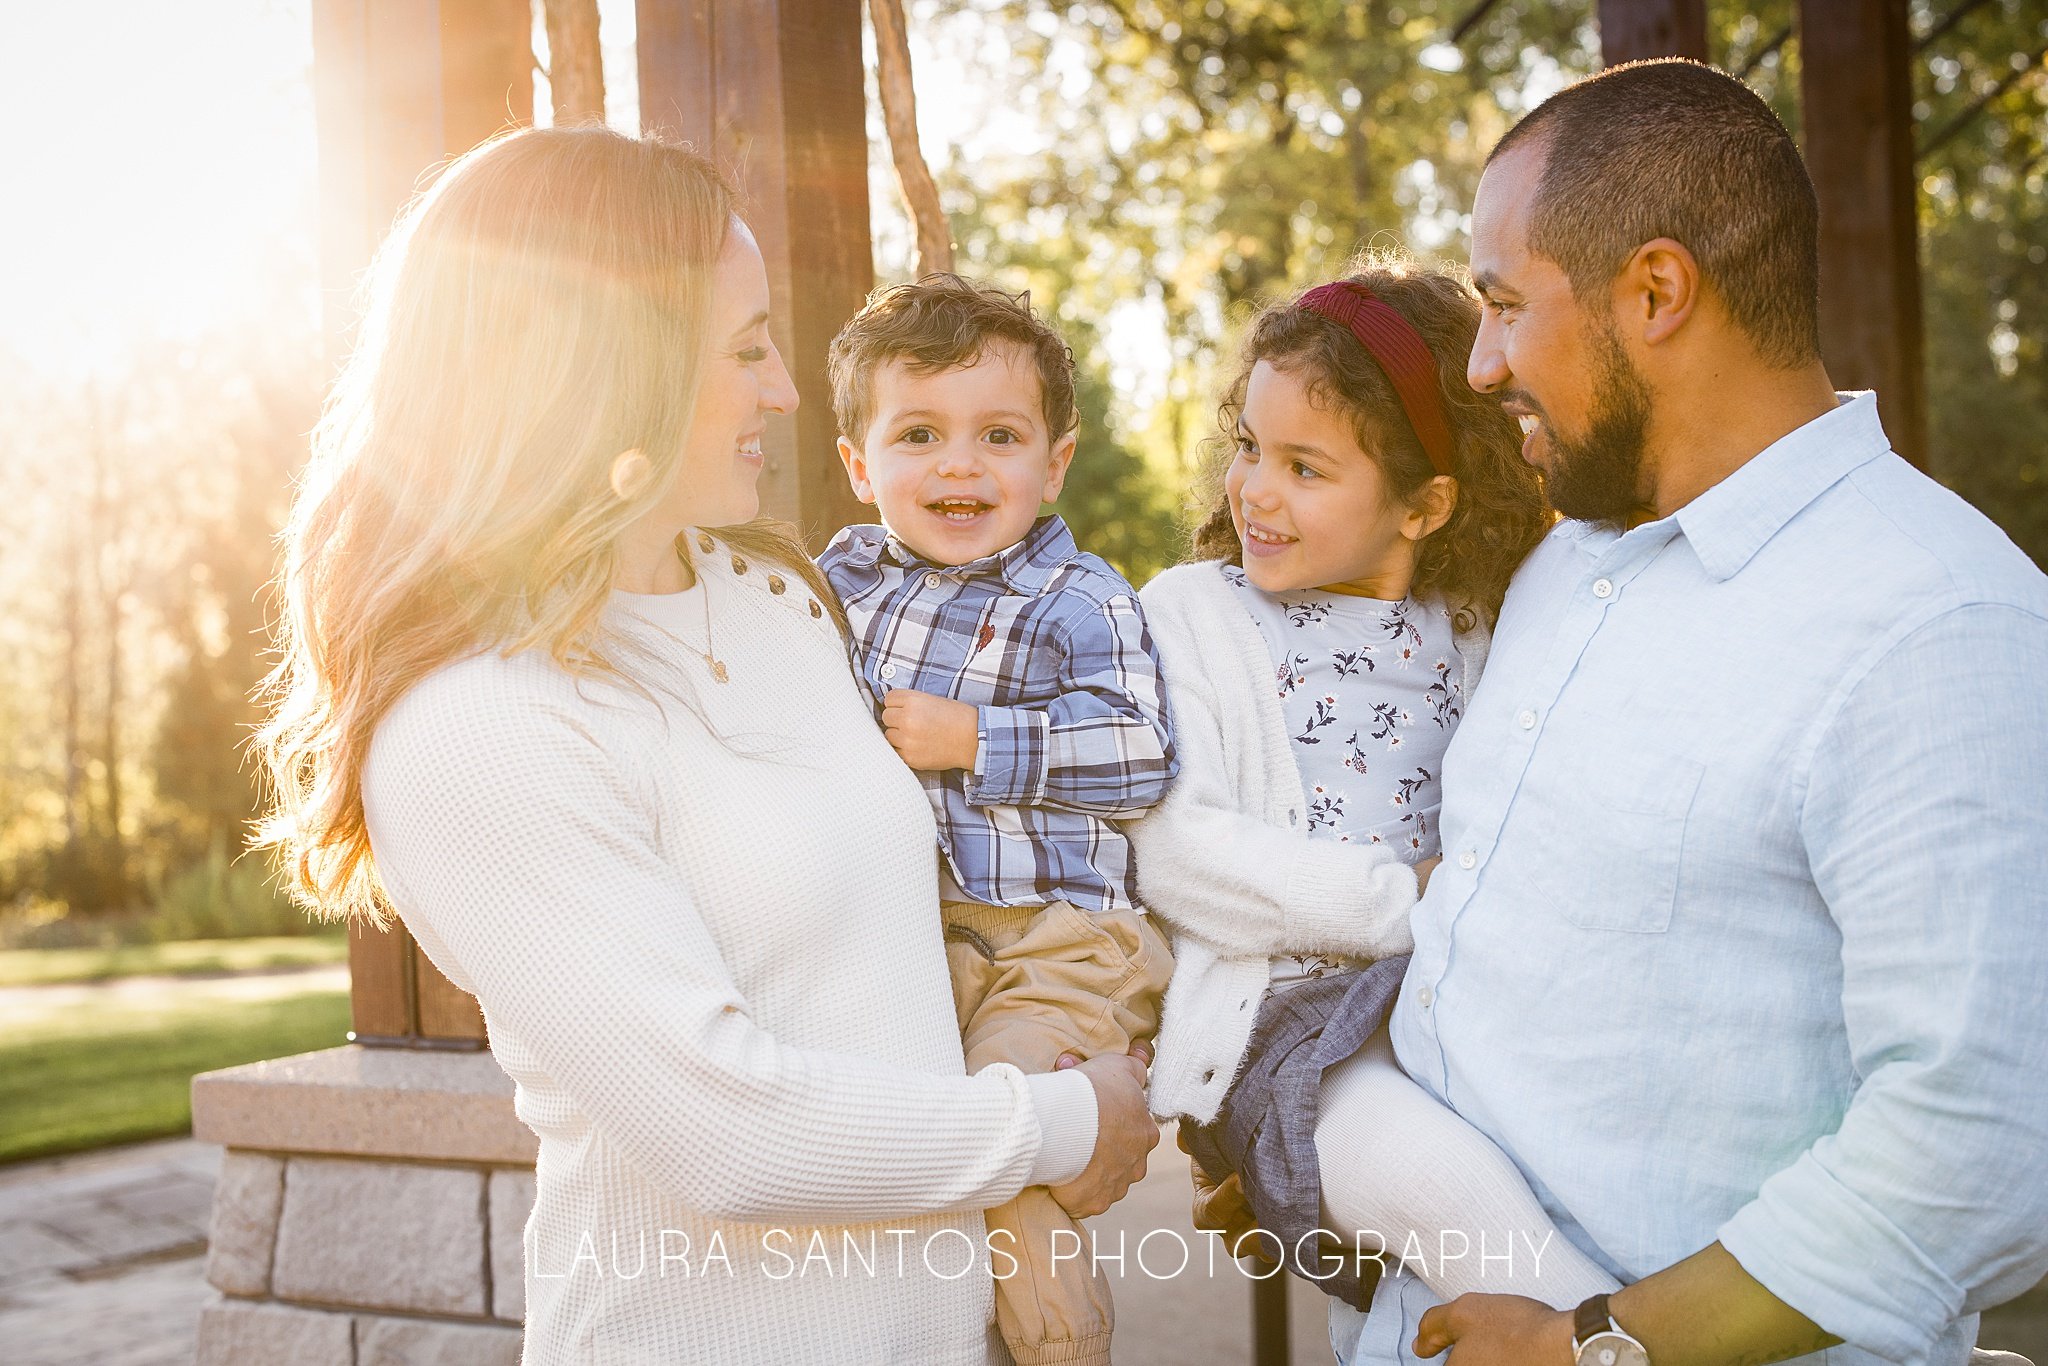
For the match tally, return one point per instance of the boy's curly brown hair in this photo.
(1500, 512)
(941, 322)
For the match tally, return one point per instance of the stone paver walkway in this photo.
(102, 1255)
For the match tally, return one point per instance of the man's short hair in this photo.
(1674, 148)
(940, 323)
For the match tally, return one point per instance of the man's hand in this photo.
(1124, 1133)
(929, 731)
(1496, 1330)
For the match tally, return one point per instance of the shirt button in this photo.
(1468, 860)
(1603, 588)
(1426, 997)
(933, 580)
(1527, 720)
(888, 671)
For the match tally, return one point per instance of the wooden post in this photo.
(1856, 112)
(1270, 1338)
(400, 86)
(772, 89)
(575, 61)
(1633, 29)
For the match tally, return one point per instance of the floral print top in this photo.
(1371, 691)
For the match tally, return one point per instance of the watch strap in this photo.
(1589, 1318)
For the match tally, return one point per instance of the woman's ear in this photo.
(1430, 507)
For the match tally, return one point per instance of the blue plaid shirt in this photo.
(1049, 644)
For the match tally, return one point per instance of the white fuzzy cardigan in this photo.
(1225, 860)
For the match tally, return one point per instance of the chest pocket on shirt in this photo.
(1628, 826)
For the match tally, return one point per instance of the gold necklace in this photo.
(719, 673)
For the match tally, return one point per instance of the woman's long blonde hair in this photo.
(540, 311)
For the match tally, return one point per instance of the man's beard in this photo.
(1599, 477)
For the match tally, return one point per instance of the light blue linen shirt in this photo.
(1741, 931)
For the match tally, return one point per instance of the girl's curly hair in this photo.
(1500, 512)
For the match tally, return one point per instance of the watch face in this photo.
(1612, 1349)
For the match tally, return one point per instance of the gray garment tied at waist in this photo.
(1266, 1129)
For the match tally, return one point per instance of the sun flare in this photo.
(158, 175)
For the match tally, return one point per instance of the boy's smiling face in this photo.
(957, 461)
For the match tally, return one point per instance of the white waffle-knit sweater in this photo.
(714, 968)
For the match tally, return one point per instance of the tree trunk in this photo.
(110, 746)
(110, 584)
(69, 687)
(899, 116)
(575, 61)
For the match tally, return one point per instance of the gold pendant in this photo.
(718, 669)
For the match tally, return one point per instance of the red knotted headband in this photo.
(1393, 341)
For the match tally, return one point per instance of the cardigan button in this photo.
(705, 543)
(1208, 1076)
(739, 566)
(1294, 818)
(816, 610)
(776, 584)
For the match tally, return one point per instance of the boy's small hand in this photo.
(929, 731)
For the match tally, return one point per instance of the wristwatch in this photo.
(1597, 1340)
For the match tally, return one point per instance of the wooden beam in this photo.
(1857, 116)
(400, 87)
(575, 61)
(1631, 30)
(773, 90)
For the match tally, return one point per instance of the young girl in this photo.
(1318, 656)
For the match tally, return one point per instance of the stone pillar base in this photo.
(369, 1210)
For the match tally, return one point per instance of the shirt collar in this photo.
(1734, 519)
(1026, 567)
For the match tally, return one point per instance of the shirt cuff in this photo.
(1065, 1102)
(1825, 1251)
(1010, 757)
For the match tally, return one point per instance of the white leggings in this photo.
(1402, 1173)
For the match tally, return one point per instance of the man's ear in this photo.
(1657, 289)
(1056, 467)
(856, 470)
(1430, 507)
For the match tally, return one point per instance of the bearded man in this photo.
(1739, 947)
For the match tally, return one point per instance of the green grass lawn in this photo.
(98, 1071)
(39, 967)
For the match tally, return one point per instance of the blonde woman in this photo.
(553, 695)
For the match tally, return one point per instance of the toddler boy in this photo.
(1014, 673)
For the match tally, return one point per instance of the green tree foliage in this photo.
(139, 534)
(1982, 117)
(1202, 156)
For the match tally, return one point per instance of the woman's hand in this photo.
(1124, 1132)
